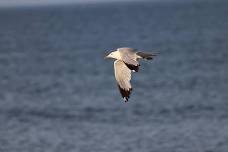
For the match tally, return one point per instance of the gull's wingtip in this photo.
(125, 93)
(125, 99)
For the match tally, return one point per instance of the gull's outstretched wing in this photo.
(144, 55)
(128, 55)
(131, 63)
(123, 77)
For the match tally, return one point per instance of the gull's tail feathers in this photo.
(147, 56)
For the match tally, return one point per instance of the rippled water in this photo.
(57, 93)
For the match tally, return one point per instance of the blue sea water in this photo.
(58, 94)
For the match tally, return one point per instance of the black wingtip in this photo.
(149, 58)
(133, 67)
(125, 93)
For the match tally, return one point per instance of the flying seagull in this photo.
(127, 62)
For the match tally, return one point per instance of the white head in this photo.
(114, 55)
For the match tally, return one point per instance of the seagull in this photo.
(125, 63)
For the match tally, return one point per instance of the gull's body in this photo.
(127, 61)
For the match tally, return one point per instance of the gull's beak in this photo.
(107, 57)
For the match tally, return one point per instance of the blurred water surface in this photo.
(58, 94)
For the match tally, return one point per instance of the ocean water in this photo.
(58, 94)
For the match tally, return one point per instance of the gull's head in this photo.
(112, 55)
